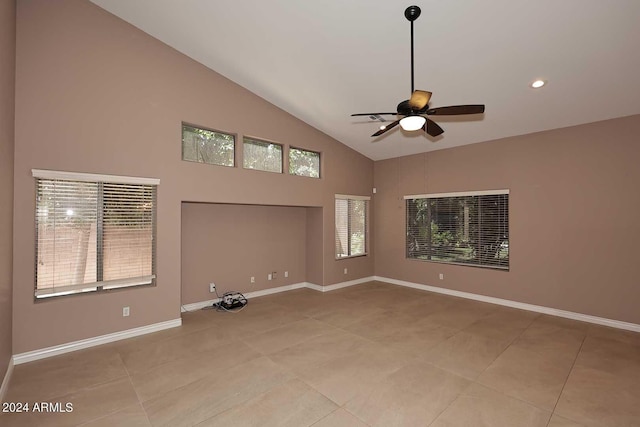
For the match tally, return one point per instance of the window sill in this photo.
(352, 256)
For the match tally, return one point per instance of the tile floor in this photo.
(368, 355)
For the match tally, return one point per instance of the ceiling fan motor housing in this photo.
(405, 109)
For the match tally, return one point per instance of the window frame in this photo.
(101, 286)
(319, 153)
(246, 138)
(482, 193)
(203, 128)
(350, 198)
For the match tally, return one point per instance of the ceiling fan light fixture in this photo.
(538, 84)
(411, 123)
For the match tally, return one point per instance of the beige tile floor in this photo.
(369, 355)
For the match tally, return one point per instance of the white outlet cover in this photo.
(286, 274)
(125, 311)
(346, 271)
(268, 276)
(253, 279)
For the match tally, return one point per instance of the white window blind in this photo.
(351, 225)
(93, 235)
(459, 228)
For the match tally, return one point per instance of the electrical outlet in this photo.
(253, 279)
(346, 271)
(125, 311)
(441, 276)
(286, 274)
(274, 275)
(212, 287)
(269, 276)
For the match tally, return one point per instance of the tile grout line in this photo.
(520, 399)
(451, 403)
(134, 389)
(353, 415)
(505, 349)
(567, 379)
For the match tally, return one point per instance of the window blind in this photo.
(93, 235)
(469, 228)
(66, 236)
(351, 217)
(127, 233)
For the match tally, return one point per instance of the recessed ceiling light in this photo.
(383, 127)
(538, 84)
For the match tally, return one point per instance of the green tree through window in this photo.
(467, 229)
(207, 146)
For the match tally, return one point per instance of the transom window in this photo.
(262, 155)
(93, 232)
(351, 225)
(304, 162)
(207, 146)
(459, 228)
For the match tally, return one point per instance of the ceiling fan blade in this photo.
(374, 114)
(456, 110)
(419, 99)
(432, 128)
(387, 128)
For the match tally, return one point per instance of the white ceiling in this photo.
(323, 60)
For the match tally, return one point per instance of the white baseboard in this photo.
(342, 284)
(201, 304)
(30, 356)
(5, 381)
(314, 287)
(515, 304)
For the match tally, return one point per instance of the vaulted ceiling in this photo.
(323, 60)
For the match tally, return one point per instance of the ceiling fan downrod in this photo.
(412, 13)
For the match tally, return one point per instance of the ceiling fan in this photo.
(415, 108)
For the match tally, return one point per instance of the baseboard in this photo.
(515, 304)
(43, 353)
(314, 287)
(5, 381)
(341, 284)
(202, 304)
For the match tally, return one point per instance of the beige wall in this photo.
(314, 249)
(227, 244)
(94, 94)
(574, 234)
(7, 85)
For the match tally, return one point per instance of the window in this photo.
(460, 228)
(304, 162)
(262, 155)
(207, 146)
(351, 225)
(93, 232)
